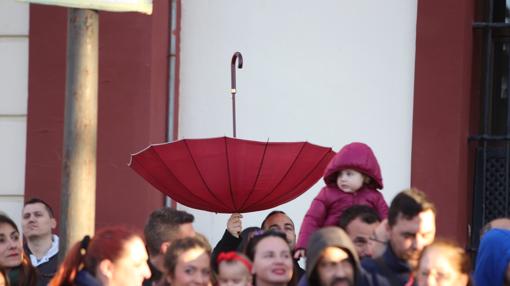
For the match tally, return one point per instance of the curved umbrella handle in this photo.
(239, 58)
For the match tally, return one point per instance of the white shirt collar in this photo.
(51, 252)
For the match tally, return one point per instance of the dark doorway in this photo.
(491, 197)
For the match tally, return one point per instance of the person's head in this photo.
(360, 222)
(115, 256)
(11, 252)
(443, 263)
(37, 219)
(246, 235)
(272, 258)
(501, 223)
(10, 243)
(350, 180)
(164, 226)
(493, 258)
(280, 221)
(411, 224)
(331, 258)
(234, 269)
(354, 166)
(187, 262)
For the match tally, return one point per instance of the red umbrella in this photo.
(230, 175)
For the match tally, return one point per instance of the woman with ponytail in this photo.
(15, 263)
(113, 257)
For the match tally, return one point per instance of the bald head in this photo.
(501, 223)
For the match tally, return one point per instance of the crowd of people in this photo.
(349, 236)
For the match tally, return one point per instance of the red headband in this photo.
(233, 256)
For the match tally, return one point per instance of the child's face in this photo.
(349, 180)
(233, 274)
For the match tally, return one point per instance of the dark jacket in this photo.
(45, 271)
(84, 278)
(387, 270)
(331, 202)
(336, 237)
(156, 276)
(227, 243)
(493, 258)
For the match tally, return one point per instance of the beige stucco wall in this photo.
(13, 104)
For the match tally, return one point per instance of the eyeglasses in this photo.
(374, 238)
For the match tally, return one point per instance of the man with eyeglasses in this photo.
(360, 223)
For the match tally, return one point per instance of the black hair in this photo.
(270, 215)
(409, 203)
(163, 225)
(5, 219)
(367, 214)
(245, 236)
(39, 201)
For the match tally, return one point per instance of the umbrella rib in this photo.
(229, 175)
(200, 174)
(284, 176)
(170, 171)
(311, 170)
(258, 174)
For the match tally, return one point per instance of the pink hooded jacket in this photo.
(331, 202)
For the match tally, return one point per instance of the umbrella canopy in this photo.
(229, 175)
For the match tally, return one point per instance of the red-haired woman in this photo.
(12, 260)
(113, 257)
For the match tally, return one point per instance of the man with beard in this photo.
(332, 260)
(411, 227)
(360, 223)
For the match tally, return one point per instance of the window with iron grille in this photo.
(492, 143)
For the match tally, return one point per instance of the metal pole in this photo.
(78, 197)
(233, 89)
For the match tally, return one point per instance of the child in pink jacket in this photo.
(352, 177)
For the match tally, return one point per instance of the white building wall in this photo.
(330, 72)
(13, 104)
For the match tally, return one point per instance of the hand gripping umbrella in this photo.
(230, 175)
